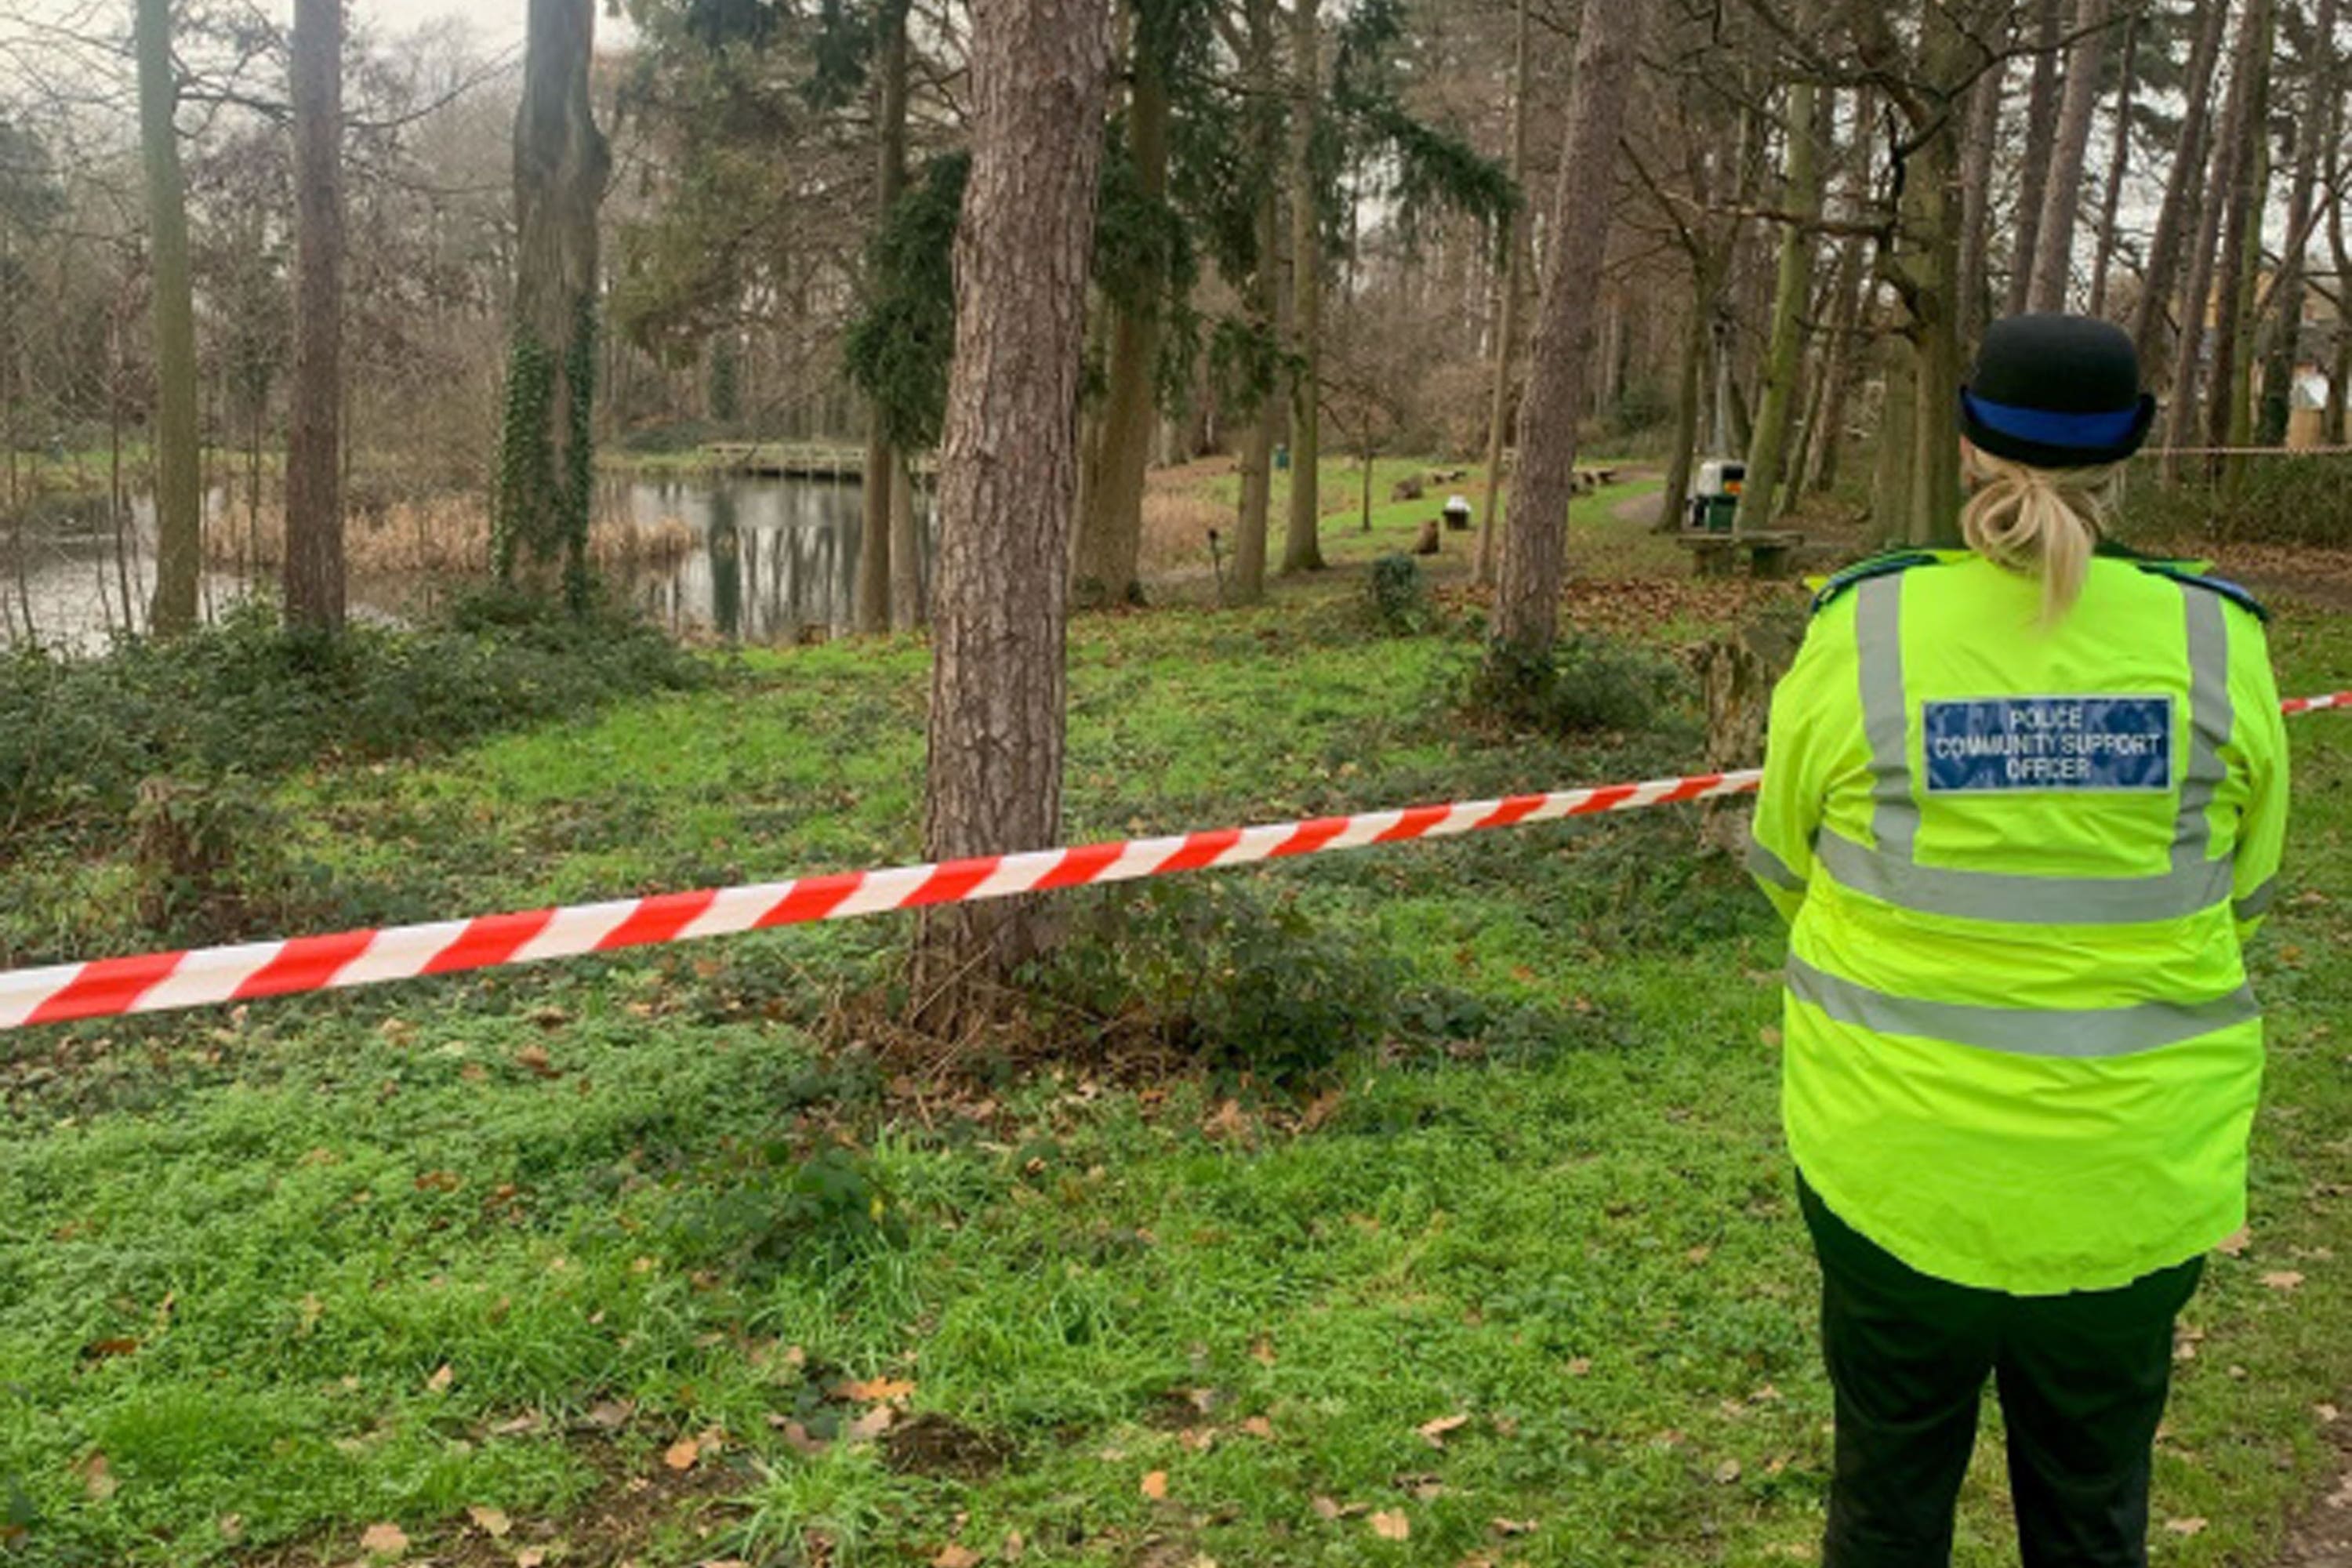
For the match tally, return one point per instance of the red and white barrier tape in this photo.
(164, 981)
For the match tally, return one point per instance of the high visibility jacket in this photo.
(2020, 861)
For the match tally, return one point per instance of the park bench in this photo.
(1771, 553)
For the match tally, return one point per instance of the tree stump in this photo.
(1407, 489)
(1430, 542)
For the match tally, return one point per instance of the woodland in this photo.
(1197, 412)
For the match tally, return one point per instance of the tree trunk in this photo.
(2053, 254)
(1791, 300)
(1890, 478)
(2310, 129)
(2185, 185)
(1527, 609)
(546, 480)
(2118, 166)
(1302, 547)
(1837, 371)
(2339, 381)
(1689, 395)
(1258, 304)
(1111, 529)
(2220, 198)
(1040, 76)
(179, 485)
(2033, 180)
(907, 609)
(2229, 420)
(1513, 284)
(1976, 200)
(877, 567)
(314, 499)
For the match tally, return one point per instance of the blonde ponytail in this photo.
(2041, 523)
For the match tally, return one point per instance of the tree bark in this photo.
(1514, 285)
(907, 609)
(2186, 185)
(2310, 128)
(1976, 199)
(179, 484)
(876, 569)
(2053, 254)
(1040, 76)
(2118, 166)
(2034, 178)
(2229, 412)
(1527, 609)
(1303, 542)
(546, 481)
(1258, 304)
(314, 499)
(1837, 370)
(1110, 530)
(1689, 395)
(2221, 197)
(1792, 299)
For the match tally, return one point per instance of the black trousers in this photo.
(2083, 1381)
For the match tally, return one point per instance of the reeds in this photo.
(447, 536)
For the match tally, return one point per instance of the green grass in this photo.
(238, 1250)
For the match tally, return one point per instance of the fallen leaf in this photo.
(682, 1454)
(2326, 1414)
(1515, 1527)
(383, 1541)
(2283, 1279)
(97, 1478)
(1155, 1486)
(1581, 1367)
(1325, 1508)
(1699, 1254)
(796, 1436)
(874, 1391)
(1259, 1426)
(610, 1415)
(1726, 1473)
(231, 1527)
(870, 1426)
(531, 1557)
(1434, 1432)
(440, 1381)
(2192, 1526)
(1261, 1351)
(954, 1556)
(535, 1059)
(1017, 1546)
(1324, 1107)
(439, 1182)
(105, 1350)
(492, 1522)
(2235, 1245)
(1391, 1526)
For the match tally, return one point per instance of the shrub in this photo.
(1589, 684)
(768, 1209)
(251, 700)
(1237, 985)
(1399, 596)
(2276, 501)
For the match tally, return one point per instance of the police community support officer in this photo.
(2022, 806)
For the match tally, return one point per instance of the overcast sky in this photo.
(499, 23)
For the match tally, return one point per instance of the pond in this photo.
(759, 560)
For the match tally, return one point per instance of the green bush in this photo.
(79, 737)
(1588, 685)
(1399, 594)
(2273, 500)
(1236, 983)
(768, 1210)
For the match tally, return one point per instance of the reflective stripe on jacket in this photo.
(2021, 1053)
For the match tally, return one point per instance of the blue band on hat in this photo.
(2044, 428)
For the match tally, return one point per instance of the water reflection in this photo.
(763, 561)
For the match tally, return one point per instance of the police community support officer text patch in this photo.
(2109, 745)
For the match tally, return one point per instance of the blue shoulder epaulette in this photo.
(1864, 571)
(2178, 573)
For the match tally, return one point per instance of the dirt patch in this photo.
(2283, 573)
(932, 1445)
(2323, 1539)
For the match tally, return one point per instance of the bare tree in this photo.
(1040, 73)
(1526, 606)
(314, 499)
(2033, 171)
(2182, 188)
(1302, 546)
(1792, 299)
(877, 562)
(2119, 165)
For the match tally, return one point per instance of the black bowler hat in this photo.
(2057, 392)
